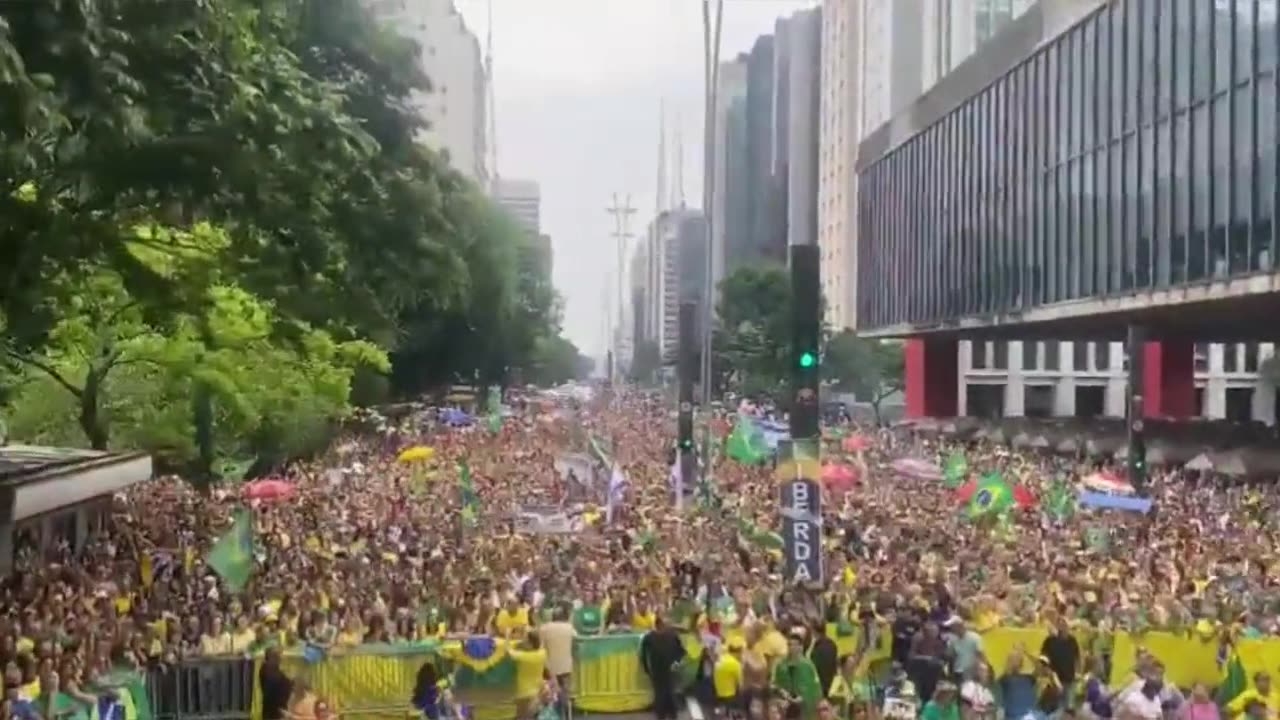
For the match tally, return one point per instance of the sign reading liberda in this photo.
(798, 475)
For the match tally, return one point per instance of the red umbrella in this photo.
(855, 443)
(268, 490)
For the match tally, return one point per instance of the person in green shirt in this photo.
(588, 618)
(943, 706)
(796, 678)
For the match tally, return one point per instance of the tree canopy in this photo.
(751, 342)
(216, 219)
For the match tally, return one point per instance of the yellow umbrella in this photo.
(417, 454)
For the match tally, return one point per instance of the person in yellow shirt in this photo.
(531, 666)
(512, 620)
(727, 674)
(1262, 691)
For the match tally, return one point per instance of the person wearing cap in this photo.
(727, 673)
(964, 646)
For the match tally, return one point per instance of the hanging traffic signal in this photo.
(806, 328)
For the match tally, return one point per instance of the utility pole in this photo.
(712, 22)
(799, 475)
(621, 213)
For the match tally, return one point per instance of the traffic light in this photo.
(806, 335)
(686, 444)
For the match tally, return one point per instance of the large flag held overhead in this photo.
(746, 444)
(1060, 503)
(992, 496)
(232, 555)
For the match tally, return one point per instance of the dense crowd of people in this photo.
(369, 549)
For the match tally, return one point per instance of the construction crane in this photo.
(493, 106)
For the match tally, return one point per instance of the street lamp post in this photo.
(712, 17)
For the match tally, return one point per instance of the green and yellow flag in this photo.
(232, 555)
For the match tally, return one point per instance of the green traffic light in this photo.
(808, 360)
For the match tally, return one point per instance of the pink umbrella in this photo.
(268, 490)
(839, 478)
(855, 443)
(919, 469)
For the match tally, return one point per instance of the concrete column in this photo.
(1064, 388)
(1264, 393)
(1015, 392)
(932, 377)
(1169, 386)
(1117, 383)
(1215, 386)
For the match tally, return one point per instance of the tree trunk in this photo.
(91, 422)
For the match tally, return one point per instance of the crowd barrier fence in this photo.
(378, 681)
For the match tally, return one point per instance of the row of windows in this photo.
(1047, 356)
(1135, 151)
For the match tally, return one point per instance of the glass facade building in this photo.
(1134, 152)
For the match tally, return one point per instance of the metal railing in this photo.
(202, 689)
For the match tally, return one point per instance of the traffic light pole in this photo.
(799, 468)
(686, 367)
(1136, 410)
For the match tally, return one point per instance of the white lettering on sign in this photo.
(802, 531)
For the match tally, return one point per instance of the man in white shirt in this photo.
(557, 639)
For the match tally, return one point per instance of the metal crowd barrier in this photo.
(202, 689)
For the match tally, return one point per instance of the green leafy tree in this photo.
(754, 315)
(871, 369)
(555, 361)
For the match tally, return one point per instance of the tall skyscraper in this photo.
(839, 121)
(803, 31)
(729, 204)
(449, 55)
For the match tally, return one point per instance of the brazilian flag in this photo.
(232, 555)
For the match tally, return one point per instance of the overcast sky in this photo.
(578, 86)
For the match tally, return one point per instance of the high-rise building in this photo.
(766, 235)
(838, 122)
(728, 203)
(667, 269)
(449, 55)
(522, 199)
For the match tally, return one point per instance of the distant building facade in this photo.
(522, 199)
(449, 55)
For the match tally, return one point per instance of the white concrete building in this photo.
(839, 122)
(1064, 379)
(523, 200)
(450, 56)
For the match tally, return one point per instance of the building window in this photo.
(1202, 357)
(979, 360)
(1102, 355)
(1251, 357)
(1051, 361)
(1002, 355)
(1030, 355)
(1080, 355)
(1231, 358)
